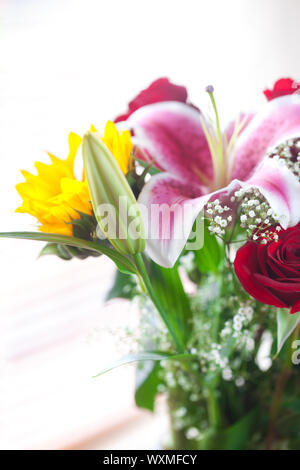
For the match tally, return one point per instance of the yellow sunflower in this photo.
(54, 195)
(120, 145)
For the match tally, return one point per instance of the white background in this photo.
(64, 65)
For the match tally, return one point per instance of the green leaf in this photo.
(52, 249)
(67, 252)
(236, 436)
(147, 381)
(145, 356)
(208, 258)
(84, 228)
(152, 170)
(168, 289)
(292, 403)
(123, 263)
(286, 323)
(63, 252)
(124, 287)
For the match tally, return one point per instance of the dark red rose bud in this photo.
(160, 90)
(271, 273)
(283, 86)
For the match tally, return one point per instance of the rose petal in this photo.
(283, 86)
(245, 268)
(289, 285)
(278, 120)
(296, 307)
(159, 90)
(173, 134)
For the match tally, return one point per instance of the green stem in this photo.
(139, 262)
(217, 119)
(280, 384)
(219, 133)
(213, 408)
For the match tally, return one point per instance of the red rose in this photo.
(271, 272)
(283, 86)
(160, 90)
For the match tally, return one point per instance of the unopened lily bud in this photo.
(115, 206)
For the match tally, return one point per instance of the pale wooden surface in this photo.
(48, 398)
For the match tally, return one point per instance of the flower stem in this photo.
(213, 101)
(139, 262)
(213, 408)
(280, 384)
(220, 148)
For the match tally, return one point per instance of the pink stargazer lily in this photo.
(199, 164)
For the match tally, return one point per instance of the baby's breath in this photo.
(256, 216)
(219, 217)
(288, 154)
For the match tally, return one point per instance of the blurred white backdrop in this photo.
(64, 65)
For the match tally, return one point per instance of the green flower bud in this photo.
(115, 207)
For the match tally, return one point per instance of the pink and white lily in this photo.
(200, 164)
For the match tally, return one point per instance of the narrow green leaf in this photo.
(168, 288)
(208, 258)
(286, 323)
(147, 381)
(123, 263)
(145, 356)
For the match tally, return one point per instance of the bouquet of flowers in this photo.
(203, 225)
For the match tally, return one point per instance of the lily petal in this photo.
(242, 121)
(279, 120)
(179, 204)
(167, 236)
(280, 187)
(172, 133)
(276, 183)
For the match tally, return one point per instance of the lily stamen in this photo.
(215, 141)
